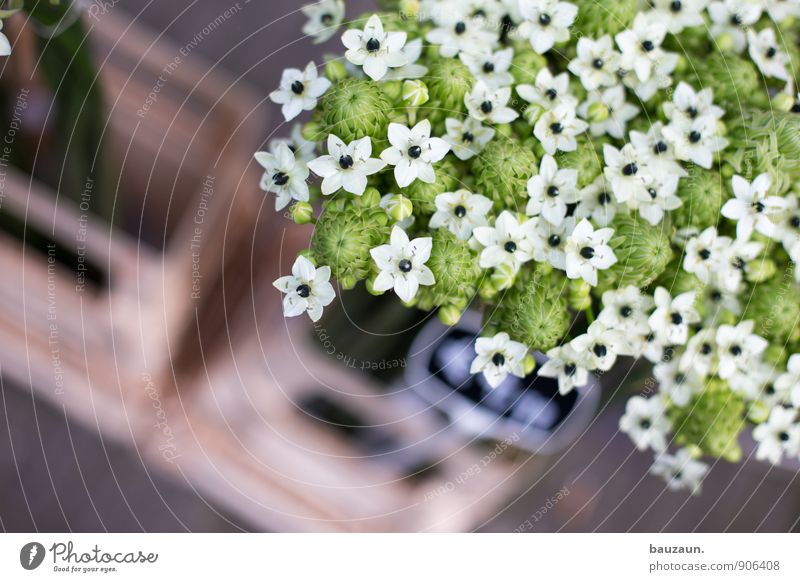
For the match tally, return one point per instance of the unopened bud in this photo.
(302, 212)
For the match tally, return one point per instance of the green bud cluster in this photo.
(736, 81)
(502, 172)
(585, 159)
(448, 80)
(598, 17)
(703, 193)
(455, 268)
(355, 108)
(765, 141)
(774, 307)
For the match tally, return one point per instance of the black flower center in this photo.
(487, 107)
(769, 390)
(598, 63)
(739, 263)
(544, 19)
(551, 94)
(647, 46)
(692, 112)
(735, 350)
(705, 254)
(600, 350)
(298, 88)
(488, 67)
(415, 151)
(460, 211)
(604, 198)
(373, 45)
(716, 296)
(556, 127)
(326, 18)
(796, 107)
(404, 265)
(626, 311)
(694, 136)
(676, 318)
(660, 147)
(675, 5)
(771, 52)
(705, 349)
(783, 436)
(630, 169)
(653, 193)
(554, 240)
(587, 252)
(280, 179)
(498, 359)
(680, 378)
(645, 423)
(759, 206)
(552, 191)
(570, 369)
(303, 291)
(346, 162)
(510, 246)
(460, 28)
(794, 221)
(736, 20)
(467, 137)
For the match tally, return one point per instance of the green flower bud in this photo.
(783, 102)
(759, 270)
(487, 290)
(415, 93)
(423, 195)
(502, 172)
(758, 412)
(712, 421)
(448, 80)
(702, 193)
(398, 207)
(584, 159)
(335, 71)
(598, 112)
(370, 199)
(355, 108)
(725, 42)
(597, 17)
(449, 315)
(533, 311)
(345, 232)
(643, 253)
(393, 90)
(302, 212)
(455, 270)
(734, 79)
(312, 131)
(773, 305)
(529, 364)
(579, 294)
(765, 141)
(526, 63)
(503, 277)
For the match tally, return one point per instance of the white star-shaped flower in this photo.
(737, 347)
(498, 357)
(402, 264)
(732, 18)
(489, 67)
(752, 207)
(657, 152)
(467, 137)
(550, 241)
(780, 10)
(460, 212)
(507, 242)
(677, 384)
(641, 45)
(487, 104)
(414, 152)
(787, 229)
(588, 251)
(600, 346)
(299, 91)
(307, 289)
(551, 190)
(546, 22)
(324, 19)
(304, 150)
(736, 257)
(672, 317)
(596, 63)
(626, 309)
(645, 422)
(767, 55)
(546, 93)
(705, 253)
(627, 172)
(701, 355)
(375, 50)
(456, 31)
(283, 175)
(346, 166)
(412, 69)
(778, 436)
(696, 140)
(597, 202)
(680, 471)
(679, 14)
(565, 364)
(661, 199)
(688, 105)
(556, 129)
(620, 112)
(790, 380)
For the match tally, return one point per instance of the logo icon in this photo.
(31, 555)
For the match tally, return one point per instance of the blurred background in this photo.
(148, 379)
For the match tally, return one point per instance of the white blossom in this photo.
(556, 129)
(283, 175)
(307, 289)
(460, 212)
(679, 14)
(677, 384)
(672, 317)
(626, 309)
(737, 347)
(701, 356)
(620, 112)
(688, 105)
(547, 92)
(565, 364)
(507, 242)
(489, 67)
(402, 264)
(551, 190)
(414, 152)
(661, 198)
(411, 70)
(299, 91)
(646, 423)
(732, 18)
(596, 63)
(596, 201)
(752, 207)
(324, 19)
(767, 55)
(498, 357)
(467, 138)
(588, 251)
(457, 31)
(375, 50)
(778, 436)
(705, 253)
(550, 241)
(680, 471)
(627, 172)
(657, 152)
(346, 166)
(600, 346)
(696, 140)
(487, 104)
(546, 22)
(790, 380)
(640, 45)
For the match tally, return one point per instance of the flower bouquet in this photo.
(599, 178)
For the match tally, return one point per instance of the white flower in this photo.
(701, 356)
(414, 152)
(307, 289)
(650, 346)
(283, 175)
(411, 70)
(679, 385)
(732, 18)
(402, 264)
(645, 422)
(597, 202)
(736, 256)
(486, 104)
(346, 166)
(299, 91)
(787, 230)
(507, 242)
(688, 105)
(5, 45)
(656, 150)
(374, 50)
(565, 364)
(620, 112)
(551, 190)
(757, 383)
(324, 19)
(596, 63)
(498, 357)
(458, 32)
(737, 347)
(546, 93)
(626, 309)
(661, 198)
(672, 317)
(680, 471)
(460, 212)
(790, 381)
(588, 251)
(752, 208)
(778, 436)
(705, 253)
(550, 241)
(600, 346)
(467, 138)
(489, 67)
(627, 172)
(546, 22)
(696, 141)
(780, 10)
(765, 52)
(641, 45)
(556, 129)
(679, 14)
(718, 302)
